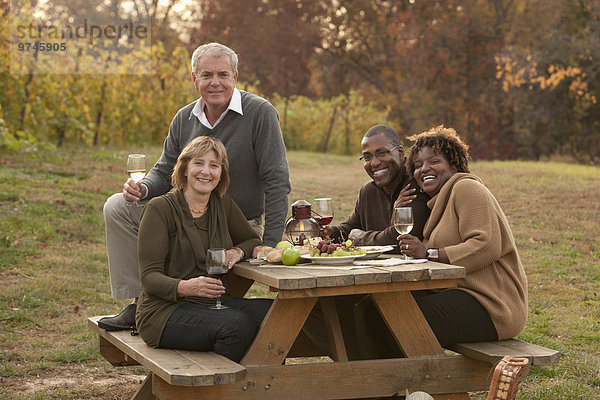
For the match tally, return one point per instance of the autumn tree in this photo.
(275, 39)
(553, 80)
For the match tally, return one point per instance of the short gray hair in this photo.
(215, 50)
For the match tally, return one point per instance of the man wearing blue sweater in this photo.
(248, 125)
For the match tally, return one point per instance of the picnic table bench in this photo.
(263, 373)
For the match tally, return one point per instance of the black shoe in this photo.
(120, 322)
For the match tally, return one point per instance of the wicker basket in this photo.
(507, 378)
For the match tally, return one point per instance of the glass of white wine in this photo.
(216, 266)
(136, 168)
(402, 218)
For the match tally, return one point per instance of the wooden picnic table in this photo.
(426, 366)
(264, 374)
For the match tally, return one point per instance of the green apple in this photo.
(283, 243)
(290, 256)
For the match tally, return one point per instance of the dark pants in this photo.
(454, 316)
(227, 332)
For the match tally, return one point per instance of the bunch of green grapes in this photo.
(347, 248)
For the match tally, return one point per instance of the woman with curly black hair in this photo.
(468, 228)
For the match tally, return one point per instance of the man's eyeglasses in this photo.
(380, 154)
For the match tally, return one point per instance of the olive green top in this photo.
(172, 246)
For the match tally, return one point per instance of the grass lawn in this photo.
(54, 274)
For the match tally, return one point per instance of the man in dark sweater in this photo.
(248, 125)
(369, 223)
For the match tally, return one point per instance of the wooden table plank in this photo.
(278, 331)
(222, 369)
(408, 272)
(364, 276)
(345, 380)
(368, 288)
(493, 352)
(330, 277)
(278, 277)
(445, 271)
(283, 278)
(174, 366)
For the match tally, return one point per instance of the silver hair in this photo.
(215, 50)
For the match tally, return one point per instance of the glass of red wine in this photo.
(216, 266)
(323, 211)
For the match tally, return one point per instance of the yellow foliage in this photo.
(526, 75)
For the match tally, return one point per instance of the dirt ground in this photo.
(74, 382)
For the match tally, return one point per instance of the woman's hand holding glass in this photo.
(202, 286)
(411, 246)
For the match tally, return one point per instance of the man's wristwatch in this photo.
(433, 254)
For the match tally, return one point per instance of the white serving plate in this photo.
(374, 251)
(330, 260)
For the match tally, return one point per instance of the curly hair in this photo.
(197, 148)
(444, 141)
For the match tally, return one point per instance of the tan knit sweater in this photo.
(467, 221)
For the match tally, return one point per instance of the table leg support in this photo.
(144, 392)
(411, 330)
(336, 339)
(278, 331)
(407, 323)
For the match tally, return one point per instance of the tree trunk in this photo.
(26, 96)
(99, 114)
(328, 135)
(347, 126)
(285, 117)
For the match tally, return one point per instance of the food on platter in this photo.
(274, 255)
(375, 248)
(375, 251)
(328, 249)
(290, 256)
(283, 243)
(262, 253)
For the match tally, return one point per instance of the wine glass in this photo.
(136, 168)
(323, 210)
(216, 266)
(402, 218)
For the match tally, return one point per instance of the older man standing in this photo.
(248, 125)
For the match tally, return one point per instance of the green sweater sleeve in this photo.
(153, 250)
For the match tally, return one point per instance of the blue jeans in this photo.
(227, 332)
